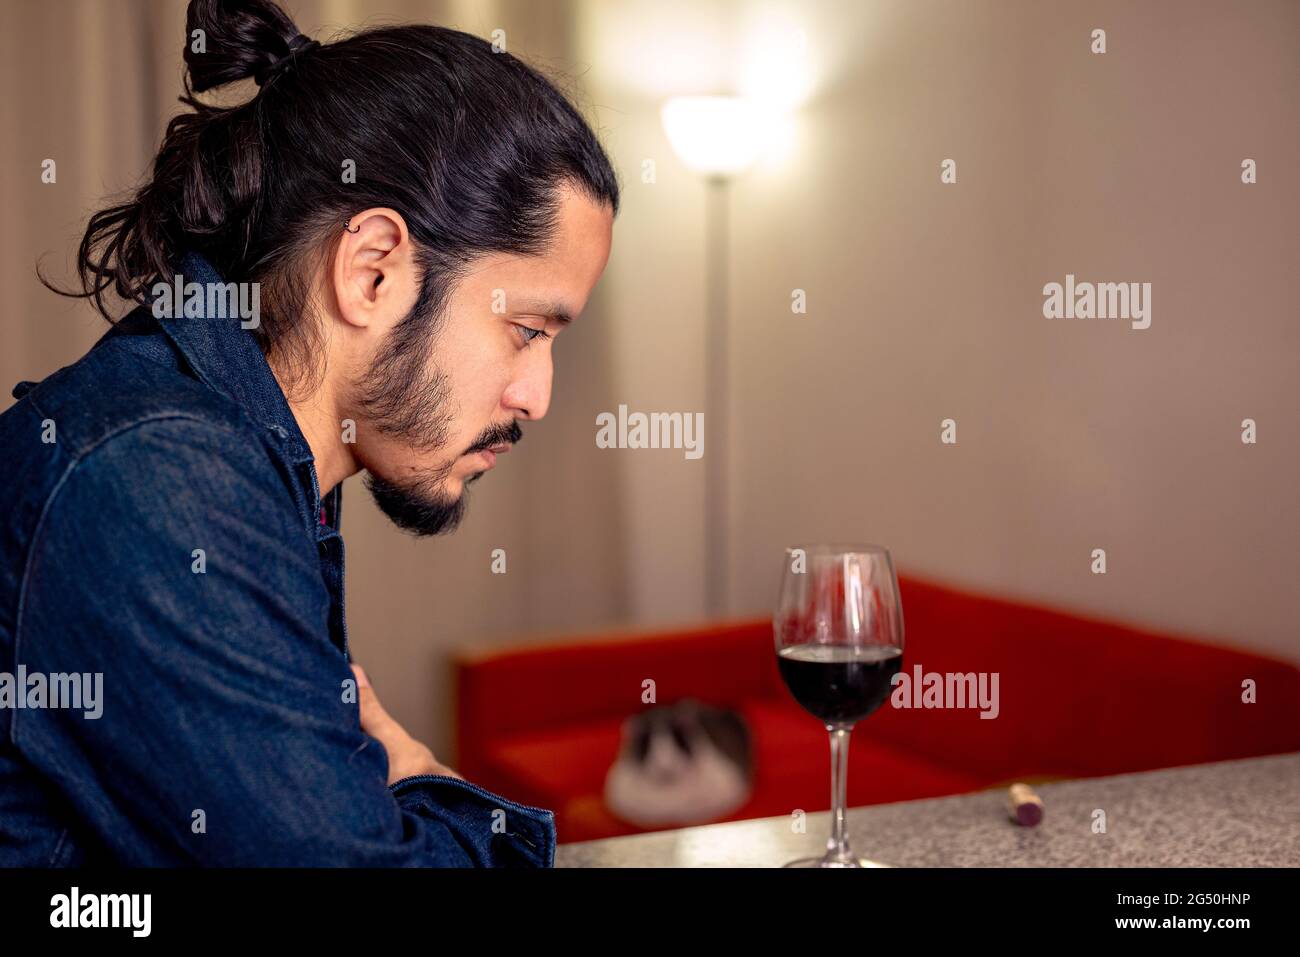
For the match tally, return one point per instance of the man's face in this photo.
(432, 419)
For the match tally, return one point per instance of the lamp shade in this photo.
(715, 135)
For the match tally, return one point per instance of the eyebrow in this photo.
(550, 309)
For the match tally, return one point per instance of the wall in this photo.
(925, 303)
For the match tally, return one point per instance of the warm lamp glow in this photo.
(716, 135)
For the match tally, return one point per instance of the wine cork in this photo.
(1024, 806)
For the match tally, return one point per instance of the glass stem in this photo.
(838, 846)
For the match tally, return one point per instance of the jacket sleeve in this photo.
(171, 561)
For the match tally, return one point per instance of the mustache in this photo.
(511, 434)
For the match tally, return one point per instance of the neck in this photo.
(321, 422)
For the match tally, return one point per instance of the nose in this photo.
(529, 395)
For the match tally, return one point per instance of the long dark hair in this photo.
(470, 145)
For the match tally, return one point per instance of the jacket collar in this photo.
(226, 357)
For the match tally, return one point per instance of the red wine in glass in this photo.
(840, 684)
(839, 642)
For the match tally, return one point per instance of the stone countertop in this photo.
(1227, 814)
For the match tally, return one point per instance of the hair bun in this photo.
(299, 44)
(228, 40)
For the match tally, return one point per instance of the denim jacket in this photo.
(163, 529)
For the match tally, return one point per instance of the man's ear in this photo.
(374, 270)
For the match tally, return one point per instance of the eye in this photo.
(528, 334)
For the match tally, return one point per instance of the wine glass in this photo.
(839, 643)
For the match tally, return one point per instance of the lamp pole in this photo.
(719, 136)
(717, 512)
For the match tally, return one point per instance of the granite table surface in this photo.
(1226, 814)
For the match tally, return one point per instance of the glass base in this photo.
(830, 861)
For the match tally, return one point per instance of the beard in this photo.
(419, 508)
(408, 400)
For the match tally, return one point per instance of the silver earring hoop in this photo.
(347, 226)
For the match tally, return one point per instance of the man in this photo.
(175, 686)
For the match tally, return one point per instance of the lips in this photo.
(492, 451)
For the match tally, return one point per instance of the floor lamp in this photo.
(717, 137)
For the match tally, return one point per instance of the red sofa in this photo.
(540, 723)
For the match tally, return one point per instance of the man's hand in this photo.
(406, 756)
